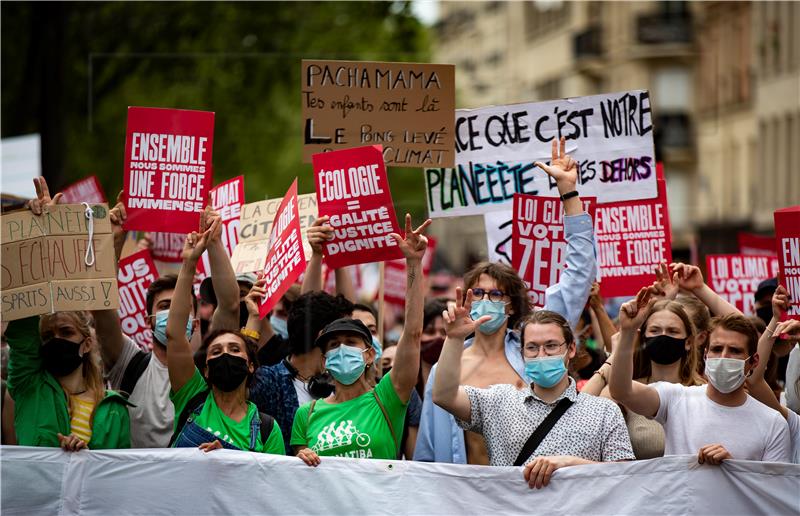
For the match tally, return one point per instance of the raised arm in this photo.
(607, 327)
(226, 315)
(569, 295)
(447, 391)
(180, 361)
(344, 284)
(637, 397)
(405, 372)
(317, 234)
(690, 278)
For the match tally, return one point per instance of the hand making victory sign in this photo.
(564, 169)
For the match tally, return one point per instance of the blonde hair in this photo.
(92, 371)
(688, 370)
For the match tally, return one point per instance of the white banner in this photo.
(499, 226)
(609, 135)
(46, 481)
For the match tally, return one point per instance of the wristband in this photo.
(569, 195)
(253, 334)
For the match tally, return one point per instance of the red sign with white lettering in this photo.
(227, 198)
(758, 245)
(394, 276)
(286, 258)
(167, 247)
(87, 189)
(735, 277)
(167, 168)
(787, 234)
(632, 237)
(353, 189)
(538, 243)
(136, 272)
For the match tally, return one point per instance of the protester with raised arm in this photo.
(705, 420)
(585, 428)
(493, 356)
(211, 407)
(358, 420)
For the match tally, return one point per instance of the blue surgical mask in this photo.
(160, 327)
(497, 309)
(345, 363)
(545, 371)
(279, 326)
(376, 345)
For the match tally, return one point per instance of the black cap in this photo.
(766, 288)
(344, 325)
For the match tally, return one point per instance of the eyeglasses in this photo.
(550, 348)
(494, 294)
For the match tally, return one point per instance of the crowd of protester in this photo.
(479, 378)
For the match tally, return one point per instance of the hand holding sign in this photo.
(562, 167)
(318, 233)
(790, 328)
(457, 320)
(633, 313)
(415, 243)
(43, 200)
(117, 216)
(253, 298)
(780, 302)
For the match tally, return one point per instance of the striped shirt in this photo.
(81, 413)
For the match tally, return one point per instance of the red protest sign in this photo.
(87, 189)
(285, 259)
(394, 276)
(787, 234)
(633, 237)
(735, 277)
(167, 168)
(227, 199)
(167, 247)
(353, 189)
(756, 245)
(136, 272)
(538, 243)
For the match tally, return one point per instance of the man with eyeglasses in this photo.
(583, 429)
(498, 296)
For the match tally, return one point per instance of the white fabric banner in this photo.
(45, 481)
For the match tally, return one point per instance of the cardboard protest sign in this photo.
(394, 275)
(735, 277)
(406, 107)
(284, 262)
(167, 168)
(538, 242)
(49, 263)
(167, 247)
(353, 189)
(610, 136)
(87, 189)
(756, 245)
(632, 237)
(255, 224)
(787, 234)
(227, 199)
(499, 226)
(136, 272)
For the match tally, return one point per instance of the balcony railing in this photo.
(658, 29)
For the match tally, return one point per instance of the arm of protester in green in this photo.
(226, 289)
(317, 234)
(405, 372)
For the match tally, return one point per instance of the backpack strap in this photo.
(193, 406)
(386, 417)
(134, 371)
(267, 424)
(308, 416)
(541, 431)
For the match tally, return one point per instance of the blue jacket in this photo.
(439, 438)
(273, 393)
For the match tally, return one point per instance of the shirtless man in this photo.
(499, 296)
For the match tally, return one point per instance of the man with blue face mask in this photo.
(572, 428)
(493, 355)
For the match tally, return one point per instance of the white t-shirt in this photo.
(301, 389)
(691, 420)
(153, 416)
(794, 435)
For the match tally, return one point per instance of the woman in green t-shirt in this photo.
(219, 417)
(356, 420)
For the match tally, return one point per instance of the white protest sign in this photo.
(499, 225)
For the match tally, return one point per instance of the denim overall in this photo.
(192, 435)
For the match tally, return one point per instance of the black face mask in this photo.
(227, 372)
(664, 349)
(320, 385)
(61, 356)
(765, 313)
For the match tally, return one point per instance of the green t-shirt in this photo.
(354, 428)
(215, 421)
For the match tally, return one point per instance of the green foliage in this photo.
(241, 60)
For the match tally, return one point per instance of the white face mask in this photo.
(725, 374)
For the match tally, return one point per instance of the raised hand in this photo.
(415, 243)
(780, 302)
(257, 292)
(457, 321)
(595, 299)
(633, 313)
(562, 167)
(207, 219)
(43, 200)
(196, 243)
(688, 277)
(666, 285)
(318, 233)
(117, 216)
